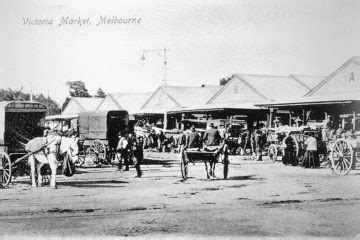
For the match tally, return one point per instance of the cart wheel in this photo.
(97, 152)
(342, 157)
(272, 152)
(226, 168)
(5, 169)
(184, 168)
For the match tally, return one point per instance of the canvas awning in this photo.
(61, 117)
(314, 100)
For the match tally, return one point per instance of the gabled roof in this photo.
(190, 96)
(82, 104)
(88, 104)
(185, 96)
(131, 102)
(269, 87)
(354, 64)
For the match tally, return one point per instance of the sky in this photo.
(208, 40)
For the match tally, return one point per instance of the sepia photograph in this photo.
(155, 119)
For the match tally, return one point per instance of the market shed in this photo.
(337, 93)
(167, 98)
(242, 92)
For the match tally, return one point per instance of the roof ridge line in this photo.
(300, 82)
(252, 87)
(331, 76)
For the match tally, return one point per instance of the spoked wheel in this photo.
(184, 168)
(97, 152)
(5, 169)
(272, 152)
(342, 157)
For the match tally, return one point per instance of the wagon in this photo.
(276, 140)
(19, 122)
(98, 133)
(193, 155)
(345, 147)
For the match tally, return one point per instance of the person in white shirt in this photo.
(311, 159)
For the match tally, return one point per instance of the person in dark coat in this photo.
(193, 139)
(212, 136)
(289, 152)
(259, 142)
(138, 153)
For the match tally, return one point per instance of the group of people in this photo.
(190, 138)
(311, 155)
(129, 150)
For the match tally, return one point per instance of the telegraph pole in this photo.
(163, 54)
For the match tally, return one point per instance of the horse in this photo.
(53, 147)
(222, 153)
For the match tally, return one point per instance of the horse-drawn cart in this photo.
(98, 132)
(345, 146)
(212, 155)
(20, 121)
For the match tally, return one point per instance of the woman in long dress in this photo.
(289, 157)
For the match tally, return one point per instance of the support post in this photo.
(271, 116)
(165, 120)
(304, 116)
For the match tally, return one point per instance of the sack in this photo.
(35, 144)
(68, 167)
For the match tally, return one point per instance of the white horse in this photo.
(54, 146)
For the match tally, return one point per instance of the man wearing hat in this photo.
(212, 136)
(193, 138)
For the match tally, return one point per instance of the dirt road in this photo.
(260, 199)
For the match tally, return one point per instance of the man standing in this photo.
(121, 152)
(138, 154)
(260, 141)
(212, 136)
(310, 157)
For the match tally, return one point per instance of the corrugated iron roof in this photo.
(274, 87)
(131, 102)
(191, 96)
(88, 104)
(308, 80)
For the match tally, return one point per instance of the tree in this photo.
(223, 81)
(51, 105)
(78, 89)
(100, 93)
(18, 95)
